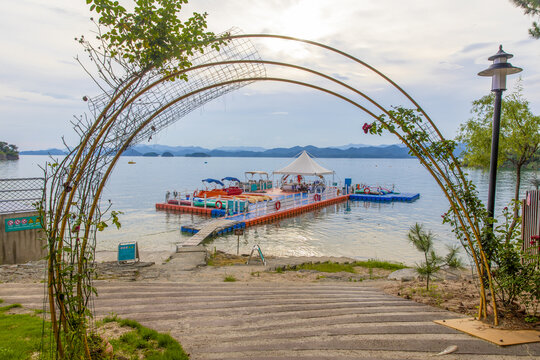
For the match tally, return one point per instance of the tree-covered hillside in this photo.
(8, 151)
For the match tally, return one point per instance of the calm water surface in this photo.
(356, 229)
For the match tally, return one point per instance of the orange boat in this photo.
(212, 192)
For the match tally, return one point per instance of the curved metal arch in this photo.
(440, 172)
(355, 60)
(148, 121)
(111, 121)
(433, 162)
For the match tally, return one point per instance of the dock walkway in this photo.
(209, 229)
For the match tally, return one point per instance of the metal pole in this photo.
(494, 154)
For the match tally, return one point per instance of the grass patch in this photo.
(434, 293)
(9, 307)
(21, 338)
(145, 343)
(20, 334)
(328, 267)
(220, 258)
(229, 278)
(378, 264)
(332, 267)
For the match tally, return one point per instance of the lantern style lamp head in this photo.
(499, 69)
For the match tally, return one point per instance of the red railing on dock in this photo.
(185, 209)
(285, 213)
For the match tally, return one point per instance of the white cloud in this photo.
(433, 49)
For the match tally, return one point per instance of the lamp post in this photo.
(498, 71)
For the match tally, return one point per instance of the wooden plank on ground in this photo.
(487, 332)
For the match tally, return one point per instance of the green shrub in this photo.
(423, 241)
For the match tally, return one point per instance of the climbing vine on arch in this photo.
(129, 50)
(140, 97)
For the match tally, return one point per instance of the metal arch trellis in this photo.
(165, 92)
(424, 157)
(75, 180)
(146, 105)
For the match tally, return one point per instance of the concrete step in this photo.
(284, 321)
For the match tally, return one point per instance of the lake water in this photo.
(360, 230)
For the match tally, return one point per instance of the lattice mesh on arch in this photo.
(166, 92)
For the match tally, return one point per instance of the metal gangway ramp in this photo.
(206, 231)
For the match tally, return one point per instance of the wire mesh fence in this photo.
(20, 195)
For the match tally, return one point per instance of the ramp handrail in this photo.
(258, 248)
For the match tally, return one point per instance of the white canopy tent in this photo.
(304, 165)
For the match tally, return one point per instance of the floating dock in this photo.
(406, 197)
(302, 203)
(266, 212)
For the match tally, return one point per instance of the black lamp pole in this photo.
(494, 153)
(498, 71)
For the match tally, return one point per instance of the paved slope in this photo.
(277, 321)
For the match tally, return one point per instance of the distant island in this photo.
(397, 151)
(197, 154)
(8, 151)
(151, 154)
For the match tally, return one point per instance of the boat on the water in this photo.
(212, 192)
(374, 190)
(256, 181)
(234, 186)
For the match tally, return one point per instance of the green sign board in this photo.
(128, 251)
(23, 223)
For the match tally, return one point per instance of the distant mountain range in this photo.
(345, 151)
(43, 152)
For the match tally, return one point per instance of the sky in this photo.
(433, 49)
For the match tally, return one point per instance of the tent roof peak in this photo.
(304, 165)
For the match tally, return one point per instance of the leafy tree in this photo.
(519, 137)
(151, 37)
(423, 241)
(8, 149)
(531, 7)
